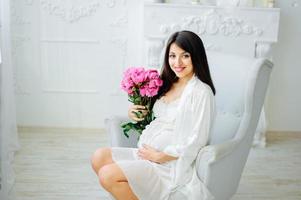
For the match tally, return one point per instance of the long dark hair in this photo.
(191, 43)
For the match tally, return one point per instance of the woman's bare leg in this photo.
(113, 180)
(100, 158)
(110, 175)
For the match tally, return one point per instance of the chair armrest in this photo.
(213, 153)
(221, 165)
(116, 135)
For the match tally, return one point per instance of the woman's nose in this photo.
(178, 61)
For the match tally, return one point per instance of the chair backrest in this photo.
(231, 75)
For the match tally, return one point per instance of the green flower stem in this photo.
(139, 126)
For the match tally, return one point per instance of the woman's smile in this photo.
(179, 69)
(180, 62)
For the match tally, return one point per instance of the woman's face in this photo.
(180, 62)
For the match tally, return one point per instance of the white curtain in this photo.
(8, 129)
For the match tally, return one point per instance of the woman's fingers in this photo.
(148, 153)
(139, 107)
(143, 153)
(137, 112)
(137, 119)
(140, 154)
(136, 115)
(144, 112)
(147, 147)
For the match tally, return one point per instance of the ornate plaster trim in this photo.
(73, 13)
(155, 50)
(55, 89)
(29, 2)
(17, 19)
(70, 41)
(46, 90)
(17, 42)
(122, 20)
(263, 48)
(213, 23)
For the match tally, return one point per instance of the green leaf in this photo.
(138, 126)
(139, 114)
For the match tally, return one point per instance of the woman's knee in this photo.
(101, 157)
(106, 176)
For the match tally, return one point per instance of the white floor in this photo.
(54, 164)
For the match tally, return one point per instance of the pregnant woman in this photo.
(163, 165)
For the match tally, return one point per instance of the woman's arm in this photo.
(151, 154)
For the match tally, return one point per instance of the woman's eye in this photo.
(172, 56)
(186, 55)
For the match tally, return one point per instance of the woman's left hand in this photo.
(149, 153)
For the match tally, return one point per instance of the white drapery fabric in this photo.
(8, 129)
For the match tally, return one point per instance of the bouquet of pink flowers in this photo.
(141, 85)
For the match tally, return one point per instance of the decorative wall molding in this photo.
(155, 50)
(74, 13)
(110, 3)
(213, 23)
(17, 42)
(122, 20)
(70, 41)
(29, 2)
(66, 77)
(124, 2)
(58, 90)
(263, 49)
(70, 14)
(20, 89)
(46, 89)
(17, 19)
(59, 57)
(213, 47)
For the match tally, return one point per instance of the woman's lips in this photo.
(179, 69)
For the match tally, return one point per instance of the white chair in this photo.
(241, 85)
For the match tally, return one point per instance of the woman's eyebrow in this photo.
(184, 52)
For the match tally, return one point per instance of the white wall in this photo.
(284, 98)
(69, 59)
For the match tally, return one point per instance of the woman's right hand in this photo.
(137, 109)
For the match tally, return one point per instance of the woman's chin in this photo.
(179, 74)
(183, 75)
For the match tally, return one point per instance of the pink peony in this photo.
(152, 74)
(140, 85)
(148, 91)
(145, 82)
(138, 76)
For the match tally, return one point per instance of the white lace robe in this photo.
(196, 111)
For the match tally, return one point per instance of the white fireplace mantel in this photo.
(246, 31)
